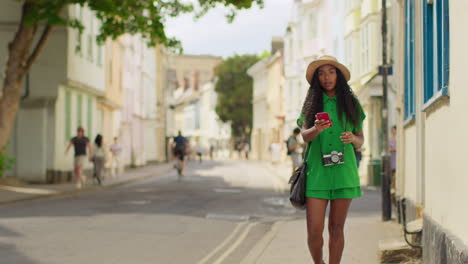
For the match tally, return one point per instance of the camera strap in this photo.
(320, 143)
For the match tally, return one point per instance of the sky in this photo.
(250, 33)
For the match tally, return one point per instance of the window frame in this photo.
(79, 109)
(410, 87)
(68, 115)
(436, 75)
(90, 115)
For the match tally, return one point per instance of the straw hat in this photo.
(326, 60)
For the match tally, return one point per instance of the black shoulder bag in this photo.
(298, 184)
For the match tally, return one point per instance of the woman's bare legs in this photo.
(336, 220)
(316, 209)
(78, 176)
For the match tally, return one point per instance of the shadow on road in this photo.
(201, 192)
(10, 254)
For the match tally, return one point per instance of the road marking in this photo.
(27, 190)
(224, 243)
(235, 244)
(142, 202)
(277, 201)
(258, 250)
(222, 190)
(228, 217)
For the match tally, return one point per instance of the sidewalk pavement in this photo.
(286, 242)
(19, 193)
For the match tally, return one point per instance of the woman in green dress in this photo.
(332, 175)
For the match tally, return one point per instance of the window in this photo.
(110, 67)
(79, 43)
(428, 35)
(90, 47)
(91, 38)
(365, 48)
(436, 49)
(291, 50)
(78, 11)
(79, 105)
(347, 6)
(90, 116)
(312, 26)
(350, 54)
(409, 61)
(79, 16)
(99, 55)
(67, 115)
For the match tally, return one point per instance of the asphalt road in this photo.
(215, 214)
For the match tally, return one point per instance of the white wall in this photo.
(446, 150)
(61, 140)
(88, 65)
(301, 47)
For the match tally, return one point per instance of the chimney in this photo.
(277, 44)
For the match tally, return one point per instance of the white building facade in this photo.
(363, 56)
(268, 107)
(430, 63)
(61, 92)
(309, 35)
(139, 124)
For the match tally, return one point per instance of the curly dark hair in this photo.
(347, 102)
(98, 140)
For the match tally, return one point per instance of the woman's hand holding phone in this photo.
(322, 122)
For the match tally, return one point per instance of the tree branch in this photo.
(39, 47)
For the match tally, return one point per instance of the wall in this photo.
(86, 66)
(445, 168)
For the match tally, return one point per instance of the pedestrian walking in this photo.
(275, 149)
(211, 152)
(99, 158)
(239, 150)
(293, 146)
(332, 175)
(180, 148)
(246, 149)
(116, 150)
(199, 150)
(80, 144)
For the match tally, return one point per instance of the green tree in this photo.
(39, 17)
(234, 87)
(6, 162)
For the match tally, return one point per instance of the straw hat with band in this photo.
(326, 60)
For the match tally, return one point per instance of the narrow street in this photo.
(220, 212)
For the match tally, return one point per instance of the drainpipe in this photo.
(386, 200)
(26, 92)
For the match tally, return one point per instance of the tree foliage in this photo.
(6, 162)
(234, 87)
(117, 17)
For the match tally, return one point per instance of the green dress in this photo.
(337, 181)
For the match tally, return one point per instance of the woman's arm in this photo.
(310, 134)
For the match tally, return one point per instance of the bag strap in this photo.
(306, 152)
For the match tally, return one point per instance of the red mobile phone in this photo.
(324, 116)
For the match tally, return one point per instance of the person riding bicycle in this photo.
(180, 147)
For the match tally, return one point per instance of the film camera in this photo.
(333, 158)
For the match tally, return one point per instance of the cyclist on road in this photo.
(179, 147)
